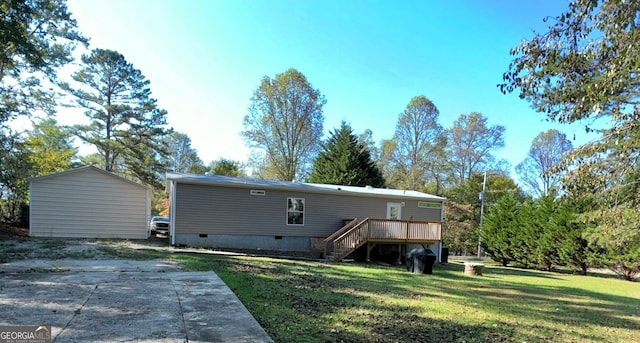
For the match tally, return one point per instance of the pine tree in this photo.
(346, 161)
(126, 126)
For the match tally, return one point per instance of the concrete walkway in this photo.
(123, 301)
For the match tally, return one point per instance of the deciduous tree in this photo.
(14, 188)
(418, 138)
(126, 124)
(459, 229)
(344, 160)
(585, 67)
(51, 148)
(36, 37)
(539, 171)
(285, 124)
(182, 158)
(471, 144)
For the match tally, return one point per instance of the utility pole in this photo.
(484, 187)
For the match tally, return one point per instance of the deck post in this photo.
(368, 252)
(399, 254)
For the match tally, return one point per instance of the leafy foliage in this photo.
(619, 244)
(417, 139)
(182, 158)
(459, 228)
(14, 188)
(539, 169)
(36, 37)
(346, 161)
(585, 68)
(227, 167)
(126, 126)
(285, 125)
(471, 143)
(50, 147)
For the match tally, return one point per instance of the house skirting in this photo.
(274, 243)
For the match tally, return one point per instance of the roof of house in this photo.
(228, 181)
(84, 169)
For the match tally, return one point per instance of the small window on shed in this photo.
(257, 192)
(429, 204)
(295, 211)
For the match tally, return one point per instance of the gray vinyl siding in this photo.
(219, 210)
(88, 204)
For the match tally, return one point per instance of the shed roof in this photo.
(84, 169)
(237, 182)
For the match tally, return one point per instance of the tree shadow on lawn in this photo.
(546, 305)
(297, 304)
(373, 303)
(318, 302)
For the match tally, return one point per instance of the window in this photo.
(295, 211)
(429, 204)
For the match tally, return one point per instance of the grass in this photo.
(299, 301)
(302, 301)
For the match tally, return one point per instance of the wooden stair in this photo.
(355, 234)
(346, 240)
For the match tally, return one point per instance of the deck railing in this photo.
(338, 233)
(382, 231)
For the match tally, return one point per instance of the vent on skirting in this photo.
(258, 192)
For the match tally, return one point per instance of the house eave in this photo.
(301, 187)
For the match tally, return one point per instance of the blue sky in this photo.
(205, 58)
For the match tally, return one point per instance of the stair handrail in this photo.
(360, 242)
(344, 229)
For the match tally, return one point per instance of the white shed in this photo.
(88, 202)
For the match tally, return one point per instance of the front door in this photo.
(394, 210)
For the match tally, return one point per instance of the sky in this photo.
(205, 58)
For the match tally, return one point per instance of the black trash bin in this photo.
(420, 261)
(444, 256)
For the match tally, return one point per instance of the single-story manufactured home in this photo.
(239, 213)
(88, 202)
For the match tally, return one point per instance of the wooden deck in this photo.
(380, 231)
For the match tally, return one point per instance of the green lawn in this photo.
(298, 301)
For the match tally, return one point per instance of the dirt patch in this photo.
(16, 248)
(11, 232)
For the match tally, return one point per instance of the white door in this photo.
(394, 210)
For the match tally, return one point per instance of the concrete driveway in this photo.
(123, 301)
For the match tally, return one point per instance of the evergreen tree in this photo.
(523, 241)
(573, 248)
(126, 126)
(346, 161)
(547, 233)
(500, 229)
(585, 68)
(226, 167)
